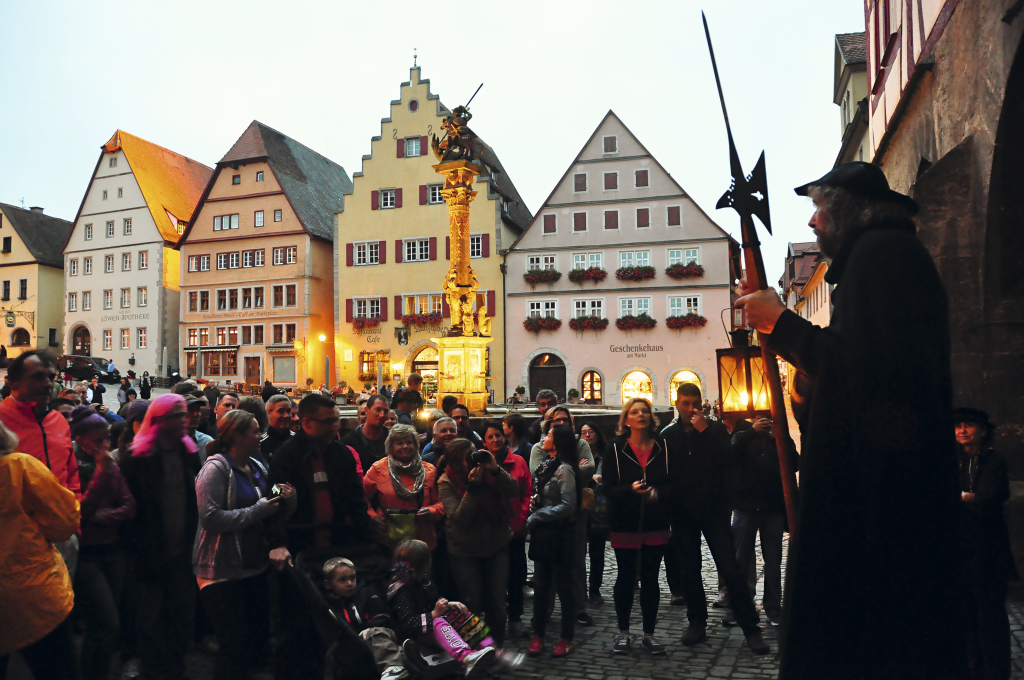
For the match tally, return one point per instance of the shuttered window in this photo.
(673, 216)
(640, 177)
(611, 219)
(549, 224)
(579, 182)
(611, 181)
(579, 221)
(643, 217)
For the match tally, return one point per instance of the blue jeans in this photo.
(98, 583)
(746, 524)
(483, 586)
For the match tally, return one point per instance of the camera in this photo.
(275, 491)
(478, 458)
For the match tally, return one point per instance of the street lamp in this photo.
(327, 364)
(396, 370)
(742, 384)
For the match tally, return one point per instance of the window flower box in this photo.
(594, 274)
(685, 271)
(686, 321)
(634, 273)
(588, 323)
(367, 377)
(535, 324)
(361, 322)
(431, 319)
(630, 322)
(535, 276)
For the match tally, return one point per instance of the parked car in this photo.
(87, 368)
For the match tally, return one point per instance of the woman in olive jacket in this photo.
(640, 478)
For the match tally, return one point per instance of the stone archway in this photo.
(705, 387)
(529, 361)
(602, 386)
(622, 376)
(81, 341)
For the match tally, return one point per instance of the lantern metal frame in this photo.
(748, 359)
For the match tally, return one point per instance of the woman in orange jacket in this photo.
(402, 492)
(35, 592)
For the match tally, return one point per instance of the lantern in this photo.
(742, 385)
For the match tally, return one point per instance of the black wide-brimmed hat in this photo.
(861, 178)
(971, 415)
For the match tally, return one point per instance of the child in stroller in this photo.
(434, 623)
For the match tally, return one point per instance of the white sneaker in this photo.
(394, 673)
(478, 662)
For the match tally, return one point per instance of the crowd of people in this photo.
(184, 518)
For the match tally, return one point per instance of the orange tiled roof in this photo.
(171, 183)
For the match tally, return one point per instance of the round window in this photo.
(413, 105)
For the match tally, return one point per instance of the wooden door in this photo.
(252, 370)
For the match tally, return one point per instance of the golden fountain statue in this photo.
(462, 353)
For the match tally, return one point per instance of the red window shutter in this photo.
(398, 198)
(611, 219)
(382, 250)
(579, 182)
(485, 245)
(447, 247)
(579, 221)
(348, 310)
(611, 180)
(549, 224)
(445, 311)
(398, 307)
(423, 194)
(673, 216)
(424, 145)
(348, 255)
(401, 148)
(641, 178)
(398, 251)
(374, 200)
(433, 247)
(491, 304)
(643, 217)
(383, 309)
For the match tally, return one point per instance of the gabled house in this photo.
(617, 287)
(31, 276)
(257, 264)
(121, 271)
(393, 250)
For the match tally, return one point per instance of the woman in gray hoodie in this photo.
(230, 554)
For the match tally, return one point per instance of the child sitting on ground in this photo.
(366, 614)
(427, 621)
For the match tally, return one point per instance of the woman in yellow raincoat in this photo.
(35, 591)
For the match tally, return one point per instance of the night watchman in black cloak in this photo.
(873, 580)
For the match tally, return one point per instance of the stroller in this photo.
(349, 656)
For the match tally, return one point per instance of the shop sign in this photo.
(124, 317)
(635, 351)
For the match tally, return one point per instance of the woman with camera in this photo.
(476, 493)
(640, 477)
(230, 554)
(552, 528)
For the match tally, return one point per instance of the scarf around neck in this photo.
(414, 469)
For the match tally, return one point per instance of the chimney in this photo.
(37, 209)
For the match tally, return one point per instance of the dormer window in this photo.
(236, 179)
(259, 176)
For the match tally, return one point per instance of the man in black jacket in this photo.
(873, 566)
(331, 511)
(368, 439)
(759, 507)
(279, 429)
(703, 449)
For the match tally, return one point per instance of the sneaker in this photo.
(563, 648)
(774, 618)
(394, 673)
(756, 642)
(584, 619)
(414, 658)
(695, 634)
(528, 593)
(517, 629)
(536, 646)
(678, 601)
(130, 669)
(477, 663)
(652, 645)
(729, 619)
(507, 659)
(623, 644)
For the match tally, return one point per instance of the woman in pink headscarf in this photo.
(161, 473)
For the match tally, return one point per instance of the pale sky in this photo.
(190, 76)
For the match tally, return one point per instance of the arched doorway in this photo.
(547, 372)
(637, 384)
(81, 342)
(590, 388)
(20, 338)
(425, 363)
(680, 377)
